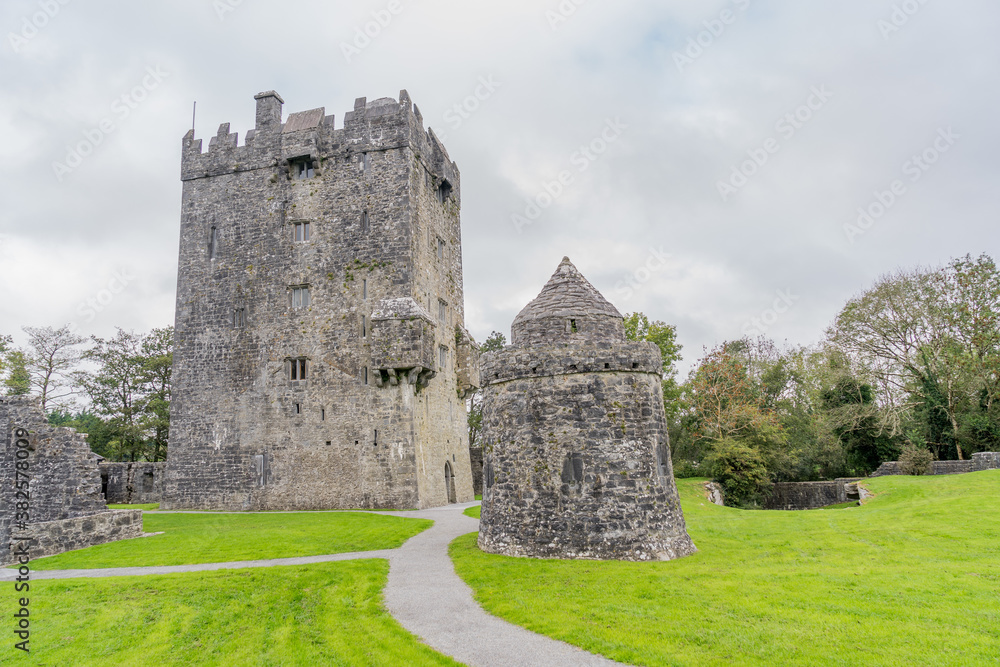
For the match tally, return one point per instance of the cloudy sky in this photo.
(715, 154)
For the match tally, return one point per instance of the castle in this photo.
(576, 451)
(321, 359)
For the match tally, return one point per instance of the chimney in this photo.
(268, 111)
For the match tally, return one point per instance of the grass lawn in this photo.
(148, 507)
(473, 511)
(910, 578)
(217, 538)
(327, 614)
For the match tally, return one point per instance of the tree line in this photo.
(116, 390)
(910, 365)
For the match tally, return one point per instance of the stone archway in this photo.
(449, 483)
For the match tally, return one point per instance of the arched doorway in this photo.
(449, 483)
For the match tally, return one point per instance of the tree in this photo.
(131, 392)
(495, 342)
(157, 365)
(931, 341)
(15, 365)
(52, 360)
(639, 328)
(728, 400)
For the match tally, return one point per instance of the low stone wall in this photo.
(979, 461)
(132, 483)
(53, 537)
(986, 461)
(812, 495)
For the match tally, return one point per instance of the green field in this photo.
(473, 511)
(217, 538)
(147, 507)
(327, 614)
(910, 578)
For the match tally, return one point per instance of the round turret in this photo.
(576, 452)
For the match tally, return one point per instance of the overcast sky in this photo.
(819, 107)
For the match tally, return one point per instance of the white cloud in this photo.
(655, 186)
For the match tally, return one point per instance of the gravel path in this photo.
(423, 593)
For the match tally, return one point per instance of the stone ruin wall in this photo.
(812, 495)
(65, 506)
(373, 425)
(979, 461)
(135, 483)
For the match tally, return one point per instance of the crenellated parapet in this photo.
(380, 125)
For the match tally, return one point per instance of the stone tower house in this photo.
(577, 460)
(321, 358)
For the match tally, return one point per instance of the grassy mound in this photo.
(911, 577)
(217, 538)
(328, 614)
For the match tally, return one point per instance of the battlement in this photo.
(380, 125)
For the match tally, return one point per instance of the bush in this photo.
(742, 473)
(685, 469)
(915, 461)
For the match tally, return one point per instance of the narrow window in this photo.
(301, 232)
(365, 163)
(303, 168)
(240, 318)
(440, 248)
(442, 310)
(300, 296)
(298, 408)
(572, 472)
(366, 375)
(365, 222)
(322, 415)
(298, 369)
(364, 290)
(213, 243)
(442, 356)
(364, 327)
(376, 437)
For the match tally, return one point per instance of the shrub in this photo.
(685, 469)
(915, 461)
(742, 473)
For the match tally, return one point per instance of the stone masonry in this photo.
(979, 461)
(63, 502)
(132, 483)
(577, 460)
(321, 358)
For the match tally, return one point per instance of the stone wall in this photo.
(986, 461)
(55, 537)
(979, 461)
(379, 420)
(64, 486)
(812, 495)
(132, 483)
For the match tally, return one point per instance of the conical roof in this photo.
(567, 294)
